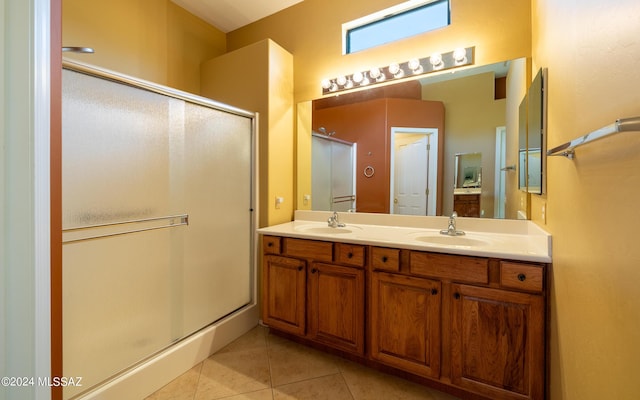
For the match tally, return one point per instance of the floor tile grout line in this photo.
(353, 397)
(308, 379)
(195, 393)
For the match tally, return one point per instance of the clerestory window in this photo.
(395, 23)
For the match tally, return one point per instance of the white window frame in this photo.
(380, 15)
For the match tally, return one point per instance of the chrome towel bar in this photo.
(621, 125)
(182, 219)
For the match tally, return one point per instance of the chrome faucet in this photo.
(334, 221)
(451, 228)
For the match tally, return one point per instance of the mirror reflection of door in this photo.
(333, 174)
(501, 172)
(414, 160)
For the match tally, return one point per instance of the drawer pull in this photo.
(313, 270)
(384, 259)
(456, 296)
(350, 255)
(300, 268)
(522, 277)
(434, 291)
(270, 244)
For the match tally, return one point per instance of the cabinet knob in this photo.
(384, 259)
(522, 277)
(456, 296)
(270, 244)
(434, 291)
(313, 270)
(300, 268)
(349, 255)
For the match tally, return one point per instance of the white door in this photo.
(411, 177)
(413, 171)
(500, 178)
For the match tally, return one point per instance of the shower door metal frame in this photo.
(102, 73)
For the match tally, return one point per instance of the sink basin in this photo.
(452, 240)
(325, 230)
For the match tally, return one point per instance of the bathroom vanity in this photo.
(466, 312)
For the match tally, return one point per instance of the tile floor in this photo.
(261, 366)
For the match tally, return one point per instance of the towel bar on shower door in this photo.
(76, 234)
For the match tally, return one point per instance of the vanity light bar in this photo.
(414, 67)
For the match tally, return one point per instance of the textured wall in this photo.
(592, 51)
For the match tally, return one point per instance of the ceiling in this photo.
(228, 15)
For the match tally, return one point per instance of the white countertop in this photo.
(511, 239)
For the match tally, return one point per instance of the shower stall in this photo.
(333, 163)
(158, 223)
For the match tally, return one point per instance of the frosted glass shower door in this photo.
(332, 174)
(157, 222)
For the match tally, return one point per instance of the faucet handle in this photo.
(454, 215)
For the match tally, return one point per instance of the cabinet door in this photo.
(336, 306)
(284, 294)
(497, 342)
(405, 323)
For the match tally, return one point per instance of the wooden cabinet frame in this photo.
(475, 325)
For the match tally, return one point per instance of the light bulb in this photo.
(414, 64)
(460, 55)
(374, 73)
(394, 68)
(326, 84)
(357, 77)
(341, 80)
(436, 61)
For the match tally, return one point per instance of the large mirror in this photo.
(536, 139)
(531, 136)
(410, 138)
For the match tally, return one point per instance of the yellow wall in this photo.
(500, 30)
(592, 50)
(153, 40)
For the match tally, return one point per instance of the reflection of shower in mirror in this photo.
(323, 131)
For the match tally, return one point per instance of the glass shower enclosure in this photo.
(158, 219)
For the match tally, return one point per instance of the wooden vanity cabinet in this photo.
(405, 323)
(308, 293)
(473, 323)
(497, 342)
(336, 306)
(494, 331)
(284, 293)
(467, 205)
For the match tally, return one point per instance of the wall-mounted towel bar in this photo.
(621, 125)
(344, 199)
(508, 168)
(99, 231)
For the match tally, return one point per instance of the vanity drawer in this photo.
(350, 254)
(271, 244)
(449, 267)
(385, 259)
(311, 249)
(521, 276)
